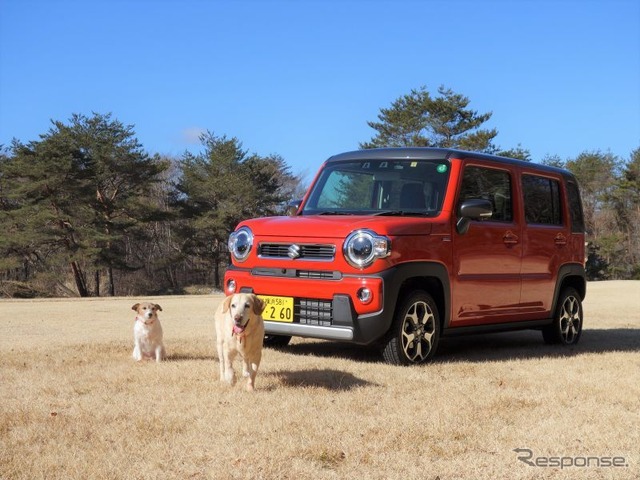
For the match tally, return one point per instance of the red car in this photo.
(398, 247)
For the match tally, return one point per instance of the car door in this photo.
(487, 258)
(547, 243)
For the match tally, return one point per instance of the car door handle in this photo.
(510, 238)
(560, 239)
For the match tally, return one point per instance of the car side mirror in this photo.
(472, 209)
(292, 207)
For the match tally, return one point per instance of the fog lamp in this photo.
(365, 295)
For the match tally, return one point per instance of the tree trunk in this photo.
(171, 277)
(97, 279)
(81, 283)
(216, 264)
(112, 285)
(216, 272)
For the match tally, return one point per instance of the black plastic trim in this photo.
(564, 272)
(369, 328)
(495, 328)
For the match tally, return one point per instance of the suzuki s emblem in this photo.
(294, 251)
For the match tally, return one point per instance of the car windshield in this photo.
(379, 187)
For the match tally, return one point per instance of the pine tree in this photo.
(422, 120)
(75, 194)
(222, 186)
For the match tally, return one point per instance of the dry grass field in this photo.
(74, 405)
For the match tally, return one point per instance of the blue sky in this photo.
(302, 78)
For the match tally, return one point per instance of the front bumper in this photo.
(326, 309)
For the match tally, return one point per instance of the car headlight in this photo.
(363, 247)
(240, 243)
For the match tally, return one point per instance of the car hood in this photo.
(336, 226)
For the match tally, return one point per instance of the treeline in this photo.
(610, 189)
(85, 210)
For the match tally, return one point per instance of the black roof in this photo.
(432, 153)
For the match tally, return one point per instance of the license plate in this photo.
(277, 309)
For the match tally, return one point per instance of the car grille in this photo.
(306, 251)
(292, 272)
(317, 275)
(313, 312)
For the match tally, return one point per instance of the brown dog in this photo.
(240, 330)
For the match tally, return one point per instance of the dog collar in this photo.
(142, 320)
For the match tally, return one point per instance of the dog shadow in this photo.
(526, 344)
(183, 357)
(327, 379)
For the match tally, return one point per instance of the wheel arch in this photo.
(431, 277)
(571, 275)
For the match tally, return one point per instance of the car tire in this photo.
(276, 341)
(566, 327)
(415, 331)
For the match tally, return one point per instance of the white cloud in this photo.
(191, 135)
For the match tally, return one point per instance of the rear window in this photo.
(541, 200)
(575, 208)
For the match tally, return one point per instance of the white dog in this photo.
(147, 332)
(240, 330)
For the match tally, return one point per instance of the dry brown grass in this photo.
(73, 404)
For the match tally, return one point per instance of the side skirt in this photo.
(495, 328)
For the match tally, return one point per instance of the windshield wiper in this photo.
(400, 213)
(334, 212)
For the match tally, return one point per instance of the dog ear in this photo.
(226, 304)
(158, 307)
(258, 305)
(135, 307)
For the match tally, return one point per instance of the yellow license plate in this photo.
(277, 309)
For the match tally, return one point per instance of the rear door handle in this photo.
(510, 238)
(560, 239)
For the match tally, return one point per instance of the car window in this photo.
(541, 200)
(489, 184)
(346, 190)
(575, 208)
(379, 187)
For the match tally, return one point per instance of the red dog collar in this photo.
(142, 320)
